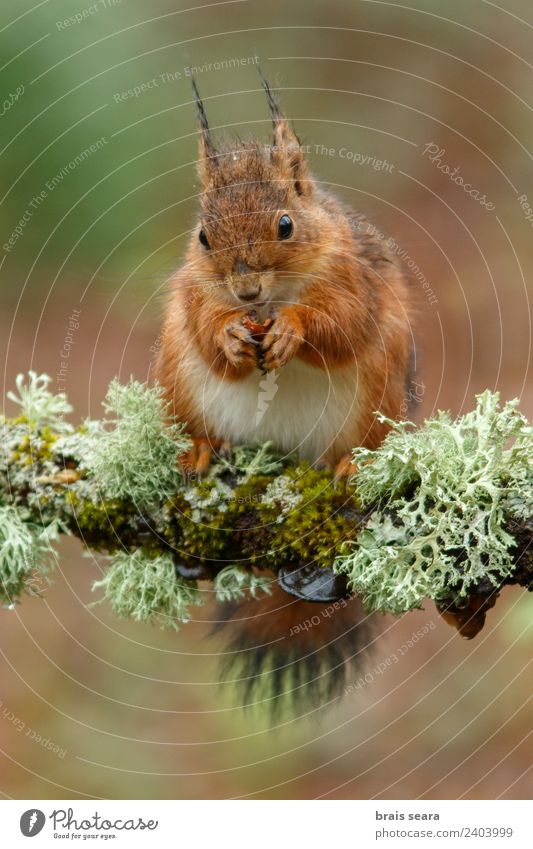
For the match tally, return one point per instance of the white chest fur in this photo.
(299, 408)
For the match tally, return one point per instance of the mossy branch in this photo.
(442, 511)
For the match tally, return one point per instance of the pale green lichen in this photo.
(25, 552)
(282, 495)
(40, 406)
(207, 496)
(247, 461)
(134, 452)
(147, 589)
(443, 491)
(234, 582)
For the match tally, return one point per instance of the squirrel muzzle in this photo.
(245, 283)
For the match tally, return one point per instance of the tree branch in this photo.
(441, 511)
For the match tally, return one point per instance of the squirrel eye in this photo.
(203, 239)
(284, 227)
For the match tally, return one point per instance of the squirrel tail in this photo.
(282, 649)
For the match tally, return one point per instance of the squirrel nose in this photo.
(246, 285)
(249, 295)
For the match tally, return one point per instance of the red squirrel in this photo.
(281, 276)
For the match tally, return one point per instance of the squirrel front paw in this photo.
(283, 340)
(236, 343)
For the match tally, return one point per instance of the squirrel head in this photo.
(261, 230)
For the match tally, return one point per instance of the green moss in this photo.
(104, 525)
(37, 446)
(303, 518)
(315, 524)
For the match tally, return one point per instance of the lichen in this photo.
(443, 492)
(40, 406)
(134, 452)
(147, 589)
(234, 582)
(281, 494)
(247, 461)
(25, 548)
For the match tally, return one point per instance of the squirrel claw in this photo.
(198, 459)
(225, 450)
(282, 341)
(236, 344)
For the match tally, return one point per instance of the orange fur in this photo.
(349, 309)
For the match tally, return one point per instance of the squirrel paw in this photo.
(197, 460)
(236, 343)
(345, 468)
(282, 341)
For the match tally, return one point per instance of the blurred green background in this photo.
(136, 712)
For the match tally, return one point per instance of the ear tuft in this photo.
(207, 154)
(287, 153)
(275, 112)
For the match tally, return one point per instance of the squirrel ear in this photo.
(287, 147)
(287, 151)
(207, 155)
